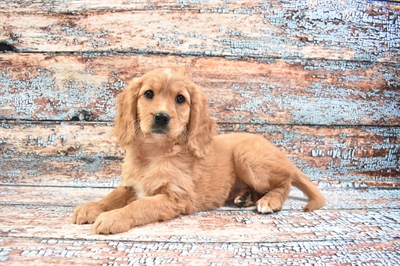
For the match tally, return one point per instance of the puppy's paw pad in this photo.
(268, 205)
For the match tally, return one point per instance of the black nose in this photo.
(162, 119)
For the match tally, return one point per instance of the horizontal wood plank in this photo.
(316, 92)
(350, 30)
(337, 198)
(52, 251)
(238, 226)
(83, 154)
(79, 6)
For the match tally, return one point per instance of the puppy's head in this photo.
(164, 104)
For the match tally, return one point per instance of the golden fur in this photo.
(177, 165)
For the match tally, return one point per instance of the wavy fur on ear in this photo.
(201, 127)
(126, 123)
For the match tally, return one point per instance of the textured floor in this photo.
(357, 226)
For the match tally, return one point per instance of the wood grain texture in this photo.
(74, 6)
(58, 251)
(352, 222)
(83, 154)
(354, 198)
(237, 226)
(350, 30)
(315, 92)
(319, 78)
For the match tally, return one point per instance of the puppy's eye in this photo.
(149, 94)
(180, 99)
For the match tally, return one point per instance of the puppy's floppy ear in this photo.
(126, 122)
(201, 127)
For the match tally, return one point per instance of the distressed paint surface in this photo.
(241, 226)
(55, 251)
(83, 154)
(355, 198)
(319, 78)
(317, 92)
(77, 6)
(352, 223)
(351, 30)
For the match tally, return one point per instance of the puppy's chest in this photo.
(152, 176)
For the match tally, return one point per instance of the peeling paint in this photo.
(339, 153)
(353, 98)
(37, 97)
(64, 153)
(61, 171)
(261, 91)
(351, 29)
(327, 105)
(306, 92)
(358, 220)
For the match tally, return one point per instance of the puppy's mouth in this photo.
(157, 130)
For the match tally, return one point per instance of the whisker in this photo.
(133, 127)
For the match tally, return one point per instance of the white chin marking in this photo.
(159, 135)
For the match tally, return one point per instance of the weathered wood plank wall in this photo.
(320, 79)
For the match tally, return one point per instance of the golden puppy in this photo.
(175, 164)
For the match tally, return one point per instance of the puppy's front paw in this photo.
(87, 213)
(269, 204)
(112, 222)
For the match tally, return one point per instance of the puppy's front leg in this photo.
(118, 198)
(140, 212)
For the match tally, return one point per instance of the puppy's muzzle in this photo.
(161, 121)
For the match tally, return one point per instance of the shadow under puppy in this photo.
(176, 164)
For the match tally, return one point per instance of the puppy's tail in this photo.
(315, 198)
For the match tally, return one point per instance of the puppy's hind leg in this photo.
(267, 193)
(246, 197)
(265, 169)
(273, 200)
